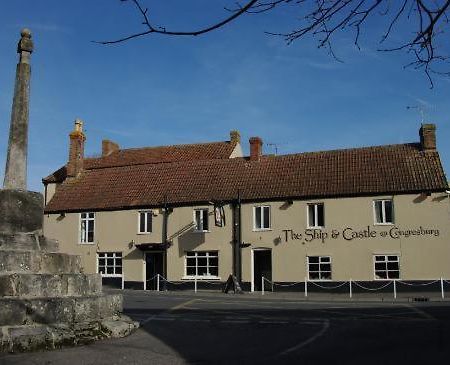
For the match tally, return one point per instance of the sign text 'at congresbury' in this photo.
(351, 234)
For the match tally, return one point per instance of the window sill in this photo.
(201, 278)
(195, 231)
(86, 243)
(316, 227)
(111, 275)
(320, 280)
(383, 224)
(144, 233)
(262, 229)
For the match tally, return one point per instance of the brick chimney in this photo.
(76, 150)
(427, 134)
(235, 136)
(255, 148)
(109, 147)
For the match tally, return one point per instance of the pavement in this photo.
(280, 328)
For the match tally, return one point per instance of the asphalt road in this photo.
(250, 329)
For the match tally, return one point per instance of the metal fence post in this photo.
(195, 284)
(123, 281)
(262, 285)
(306, 286)
(395, 289)
(350, 283)
(442, 288)
(157, 282)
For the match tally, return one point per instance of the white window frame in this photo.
(262, 228)
(148, 215)
(197, 255)
(316, 215)
(113, 256)
(383, 212)
(320, 271)
(201, 220)
(387, 270)
(83, 239)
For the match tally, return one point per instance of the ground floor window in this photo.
(109, 263)
(319, 267)
(387, 267)
(202, 264)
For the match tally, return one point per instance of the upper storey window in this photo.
(87, 227)
(316, 215)
(145, 222)
(261, 218)
(383, 211)
(201, 220)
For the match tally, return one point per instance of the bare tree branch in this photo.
(162, 30)
(427, 19)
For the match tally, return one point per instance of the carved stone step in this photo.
(27, 241)
(49, 285)
(38, 262)
(69, 310)
(43, 337)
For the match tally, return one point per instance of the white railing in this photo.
(307, 284)
(351, 283)
(161, 279)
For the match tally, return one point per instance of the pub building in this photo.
(204, 211)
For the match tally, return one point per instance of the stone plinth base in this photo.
(21, 211)
(46, 301)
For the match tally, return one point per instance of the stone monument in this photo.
(45, 300)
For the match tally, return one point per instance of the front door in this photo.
(262, 267)
(154, 265)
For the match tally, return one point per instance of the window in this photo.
(319, 268)
(261, 218)
(387, 267)
(145, 222)
(316, 215)
(109, 263)
(87, 227)
(201, 220)
(203, 264)
(384, 211)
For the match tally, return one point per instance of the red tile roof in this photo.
(392, 169)
(149, 155)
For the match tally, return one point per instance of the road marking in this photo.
(172, 309)
(181, 305)
(422, 313)
(194, 320)
(325, 326)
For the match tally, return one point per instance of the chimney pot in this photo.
(427, 133)
(235, 136)
(109, 147)
(255, 148)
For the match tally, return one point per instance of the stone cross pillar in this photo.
(16, 161)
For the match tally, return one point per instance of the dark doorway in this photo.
(262, 266)
(154, 265)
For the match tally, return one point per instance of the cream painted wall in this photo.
(421, 257)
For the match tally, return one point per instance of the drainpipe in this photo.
(166, 212)
(239, 249)
(237, 239)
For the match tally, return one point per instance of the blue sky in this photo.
(159, 90)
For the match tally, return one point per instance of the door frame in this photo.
(144, 265)
(252, 289)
